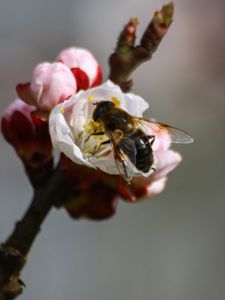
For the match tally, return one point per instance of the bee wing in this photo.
(128, 147)
(124, 152)
(175, 135)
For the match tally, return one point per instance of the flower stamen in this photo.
(92, 127)
(90, 98)
(116, 101)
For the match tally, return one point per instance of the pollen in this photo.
(98, 145)
(62, 110)
(90, 98)
(116, 101)
(87, 150)
(92, 127)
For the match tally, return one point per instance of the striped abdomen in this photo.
(143, 158)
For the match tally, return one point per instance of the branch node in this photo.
(127, 57)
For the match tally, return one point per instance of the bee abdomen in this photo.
(144, 157)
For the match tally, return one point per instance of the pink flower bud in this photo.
(83, 62)
(51, 84)
(27, 133)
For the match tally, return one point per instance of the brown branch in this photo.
(14, 251)
(127, 57)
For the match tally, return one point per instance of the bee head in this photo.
(101, 108)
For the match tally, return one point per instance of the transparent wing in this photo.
(176, 135)
(124, 152)
(127, 145)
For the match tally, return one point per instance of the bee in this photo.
(131, 145)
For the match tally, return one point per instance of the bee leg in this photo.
(105, 143)
(97, 147)
(151, 138)
(93, 134)
(98, 133)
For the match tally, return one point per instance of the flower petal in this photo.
(131, 103)
(156, 187)
(165, 162)
(62, 137)
(24, 93)
(81, 79)
(98, 79)
(80, 58)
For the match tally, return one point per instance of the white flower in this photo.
(71, 124)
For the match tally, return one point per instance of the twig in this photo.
(127, 57)
(14, 251)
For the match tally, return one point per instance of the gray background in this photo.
(173, 246)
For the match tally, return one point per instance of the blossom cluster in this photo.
(55, 110)
(76, 69)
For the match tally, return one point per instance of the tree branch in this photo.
(127, 57)
(14, 251)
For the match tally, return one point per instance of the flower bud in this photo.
(84, 66)
(51, 84)
(27, 133)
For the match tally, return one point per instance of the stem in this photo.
(14, 251)
(127, 57)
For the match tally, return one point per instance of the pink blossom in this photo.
(51, 84)
(82, 63)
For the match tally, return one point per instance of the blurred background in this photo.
(171, 247)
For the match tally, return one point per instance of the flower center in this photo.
(92, 137)
(92, 127)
